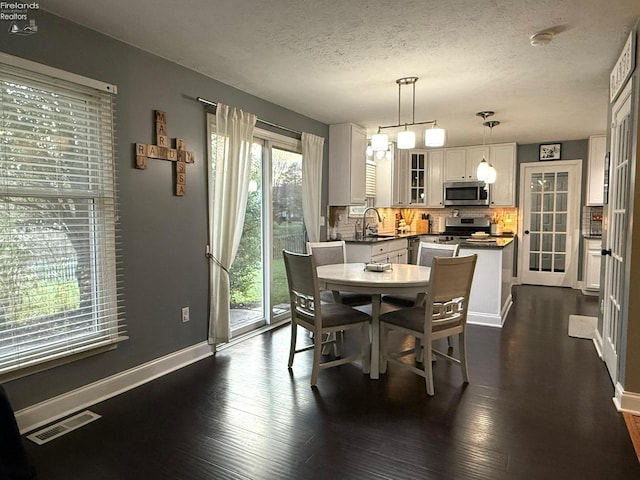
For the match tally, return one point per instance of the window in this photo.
(57, 216)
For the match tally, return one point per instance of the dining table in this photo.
(405, 279)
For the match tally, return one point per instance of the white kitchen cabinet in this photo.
(455, 165)
(400, 181)
(417, 178)
(503, 159)
(474, 157)
(435, 175)
(591, 265)
(392, 251)
(595, 178)
(429, 238)
(347, 157)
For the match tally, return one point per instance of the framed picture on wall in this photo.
(550, 151)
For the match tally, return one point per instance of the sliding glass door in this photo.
(273, 222)
(287, 226)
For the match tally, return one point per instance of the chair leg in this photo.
(337, 347)
(292, 347)
(449, 343)
(418, 350)
(317, 355)
(365, 347)
(463, 357)
(384, 347)
(428, 368)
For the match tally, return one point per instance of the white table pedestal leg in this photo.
(375, 336)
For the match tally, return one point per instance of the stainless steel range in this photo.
(461, 228)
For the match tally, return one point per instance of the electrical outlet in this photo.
(185, 314)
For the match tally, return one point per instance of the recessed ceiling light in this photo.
(541, 38)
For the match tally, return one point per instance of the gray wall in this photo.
(162, 237)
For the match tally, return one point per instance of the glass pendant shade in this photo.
(406, 140)
(483, 170)
(434, 137)
(379, 142)
(491, 175)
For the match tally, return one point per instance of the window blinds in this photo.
(370, 179)
(58, 276)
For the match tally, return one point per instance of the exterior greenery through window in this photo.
(256, 299)
(57, 215)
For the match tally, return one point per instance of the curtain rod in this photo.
(214, 104)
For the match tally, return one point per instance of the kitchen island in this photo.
(490, 298)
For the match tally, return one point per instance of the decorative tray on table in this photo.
(377, 267)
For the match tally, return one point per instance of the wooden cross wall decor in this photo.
(163, 151)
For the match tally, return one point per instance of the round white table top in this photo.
(400, 275)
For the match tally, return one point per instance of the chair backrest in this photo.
(427, 251)
(327, 253)
(302, 279)
(449, 288)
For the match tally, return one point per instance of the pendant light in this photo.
(483, 167)
(406, 139)
(491, 172)
(379, 141)
(434, 137)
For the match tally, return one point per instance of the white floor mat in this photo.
(581, 326)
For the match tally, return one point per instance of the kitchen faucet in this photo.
(364, 219)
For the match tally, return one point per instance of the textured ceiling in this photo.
(337, 61)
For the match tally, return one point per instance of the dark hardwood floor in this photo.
(538, 407)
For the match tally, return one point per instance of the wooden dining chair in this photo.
(444, 313)
(322, 319)
(327, 253)
(427, 251)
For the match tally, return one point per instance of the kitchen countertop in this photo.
(381, 237)
(493, 242)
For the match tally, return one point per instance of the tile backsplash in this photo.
(345, 224)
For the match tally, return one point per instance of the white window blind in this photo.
(370, 179)
(58, 277)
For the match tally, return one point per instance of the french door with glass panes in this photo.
(550, 199)
(615, 245)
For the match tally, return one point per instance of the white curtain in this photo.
(312, 147)
(228, 193)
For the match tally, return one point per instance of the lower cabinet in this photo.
(391, 251)
(591, 265)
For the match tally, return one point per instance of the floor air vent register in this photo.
(63, 427)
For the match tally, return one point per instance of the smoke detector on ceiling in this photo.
(541, 39)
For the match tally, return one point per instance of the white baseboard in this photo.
(63, 405)
(597, 342)
(626, 401)
(484, 319)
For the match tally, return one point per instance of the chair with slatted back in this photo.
(444, 313)
(327, 253)
(322, 319)
(427, 251)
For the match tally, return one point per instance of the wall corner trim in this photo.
(50, 410)
(626, 401)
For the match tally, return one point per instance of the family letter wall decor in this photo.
(163, 151)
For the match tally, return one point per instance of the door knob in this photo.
(605, 252)
(526, 232)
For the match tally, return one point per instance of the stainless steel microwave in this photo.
(466, 193)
